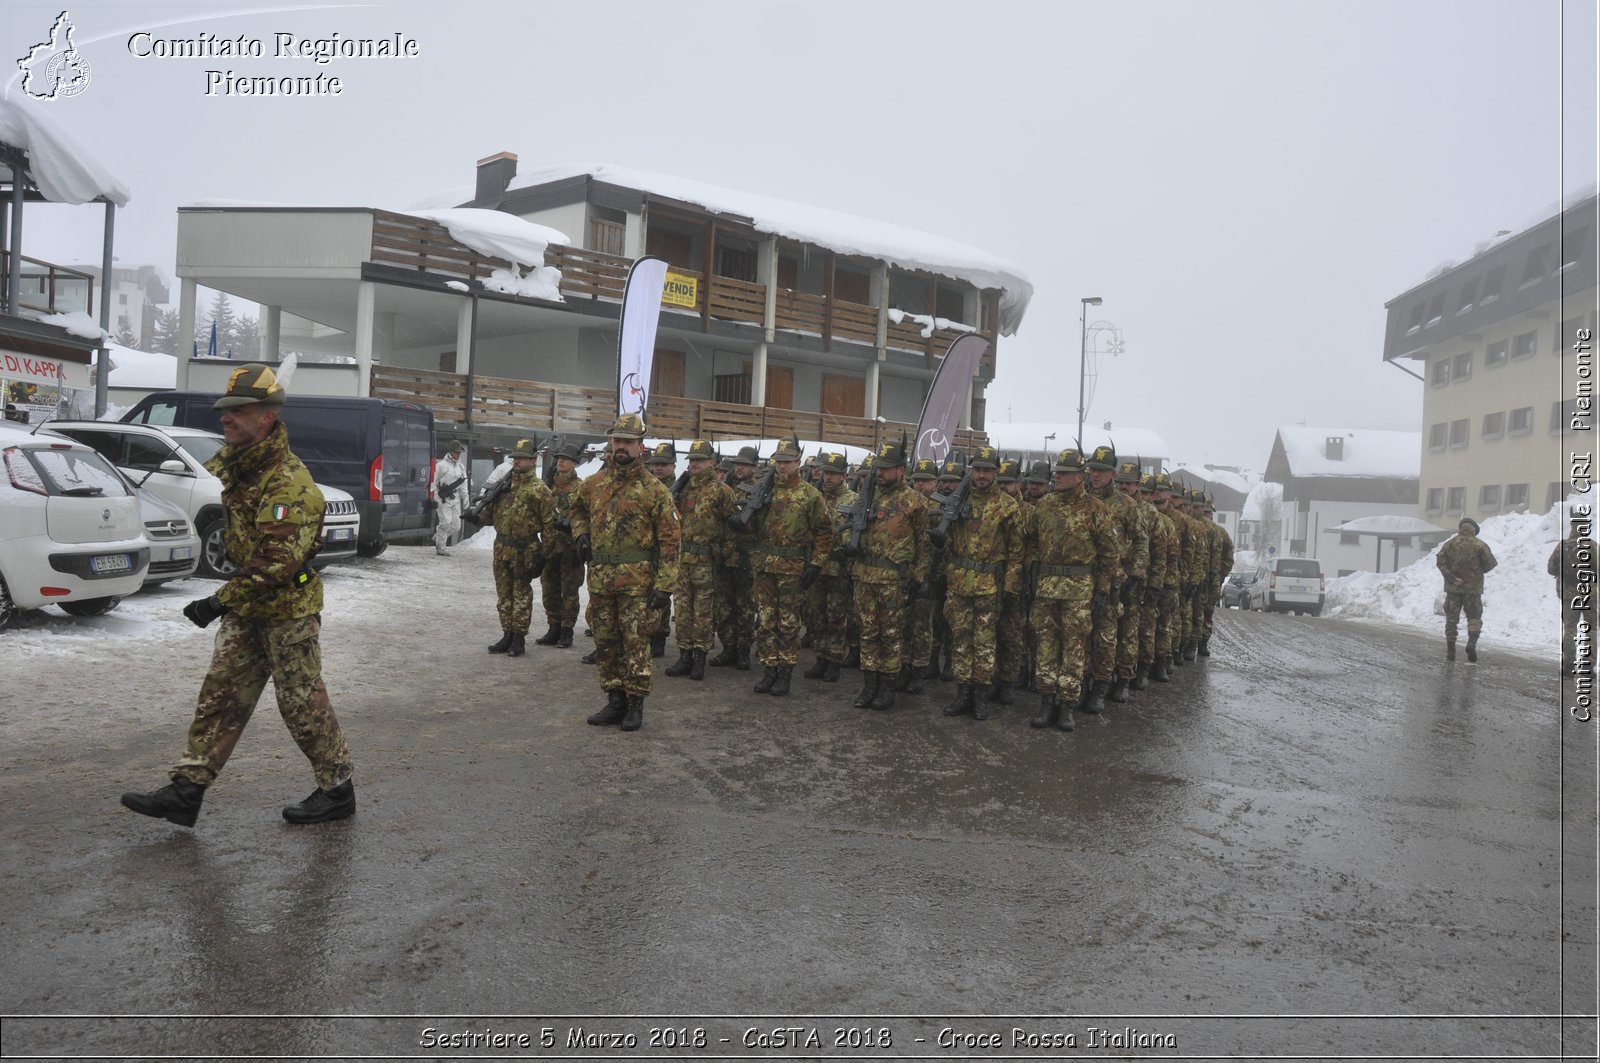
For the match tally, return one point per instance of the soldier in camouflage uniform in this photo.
(736, 609)
(626, 530)
(922, 634)
(704, 505)
(271, 615)
(1140, 602)
(1077, 561)
(521, 517)
(983, 563)
(889, 570)
(1572, 563)
(1189, 535)
(663, 465)
(1133, 552)
(1221, 564)
(563, 571)
(1462, 561)
(793, 536)
(831, 607)
(1164, 603)
(951, 473)
(1011, 637)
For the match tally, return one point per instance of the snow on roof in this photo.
(846, 233)
(1221, 477)
(132, 368)
(1130, 443)
(496, 233)
(59, 164)
(1367, 452)
(1260, 495)
(1390, 524)
(77, 323)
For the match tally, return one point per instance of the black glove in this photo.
(809, 576)
(660, 599)
(537, 569)
(585, 552)
(202, 611)
(1099, 603)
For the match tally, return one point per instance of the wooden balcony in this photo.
(529, 405)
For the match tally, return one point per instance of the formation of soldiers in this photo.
(1083, 580)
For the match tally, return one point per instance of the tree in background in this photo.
(164, 332)
(226, 323)
(246, 339)
(125, 332)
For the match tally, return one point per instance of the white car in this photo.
(174, 546)
(171, 461)
(70, 528)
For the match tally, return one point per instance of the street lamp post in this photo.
(1047, 441)
(1083, 354)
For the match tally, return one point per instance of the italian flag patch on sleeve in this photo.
(280, 511)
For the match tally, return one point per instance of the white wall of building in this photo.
(1312, 523)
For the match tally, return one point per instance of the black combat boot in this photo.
(948, 672)
(1095, 704)
(781, 687)
(658, 645)
(1064, 718)
(519, 646)
(1001, 694)
(177, 802)
(616, 708)
(549, 638)
(1161, 670)
(817, 670)
(931, 671)
(1048, 707)
(769, 676)
(902, 679)
(1472, 646)
(324, 805)
(869, 690)
(885, 696)
(852, 658)
(966, 700)
(1119, 691)
(914, 684)
(633, 717)
(728, 656)
(1141, 676)
(564, 642)
(980, 702)
(697, 669)
(591, 657)
(1205, 646)
(503, 645)
(1449, 649)
(830, 674)
(1191, 650)
(744, 658)
(682, 665)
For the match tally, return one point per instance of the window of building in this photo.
(1438, 436)
(1495, 354)
(1416, 318)
(1493, 281)
(1566, 335)
(608, 230)
(1469, 295)
(852, 286)
(1349, 539)
(1435, 500)
(951, 303)
(122, 298)
(1535, 266)
(1462, 368)
(1441, 372)
(732, 387)
(1521, 421)
(1458, 432)
(1525, 344)
(1516, 497)
(1435, 310)
(1555, 493)
(1575, 248)
(1494, 425)
(1455, 500)
(735, 260)
(1561, 412)
(1489, 498)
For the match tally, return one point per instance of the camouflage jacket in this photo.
(839, 498)
(1171, 549)
(562, 492)
(1572, 563)
(1077, 548)
(521, 517)
(703, 511)
(793, 531)
(1155, 534)
(934, 587)
(1465, 558)
(1221, 554)
(1133, 540)
(274, 513)
(895, 546)
(633, 531)
(1188, 549)
(983, 555)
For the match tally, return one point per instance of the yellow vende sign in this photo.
(681, 290)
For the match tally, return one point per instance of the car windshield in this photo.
(78, 472)
(202, 448)
(1299, 569)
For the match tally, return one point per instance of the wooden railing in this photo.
(504, 402)
(733, 300)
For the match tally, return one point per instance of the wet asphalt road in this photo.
(1323, 819)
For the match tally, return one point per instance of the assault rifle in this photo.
(552, 446)
(956, 506)
(680, 485)
(859, 513)
(486, 498)
(754, 497)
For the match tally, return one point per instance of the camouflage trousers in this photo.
(779, 601)
(881, 612)
(1458, 602)
(974, 622)
(1168, 625)
(696, 598)
(559, 584)
(513, 587)
(1128, 630)
(832, 610)
(1197, 613)
(1147, 632)
(736, 610)
(922, 637)
(1063, 627)
(621, 625)
(661, 621)
(1011, 641)
(246, 654)
(1103, 640)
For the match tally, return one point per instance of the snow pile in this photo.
(496, 233)
(541, 282)
(1263, 495)
(60, 165)
(77, 323)
(928, 323)
(132, 368)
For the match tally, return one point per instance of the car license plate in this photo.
(335, 534)
(110, 563)
(182, 553)
(391, 500)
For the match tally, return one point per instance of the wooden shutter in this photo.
(780, 387)
(845, 396)
(666, 373)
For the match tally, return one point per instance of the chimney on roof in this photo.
(494, 174)
(1333, 448)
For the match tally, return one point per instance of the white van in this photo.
(1295, 584)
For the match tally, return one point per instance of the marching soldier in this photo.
(1143, 600)
(1011, 639)
(922, 638)
(704, 505)
(951, 473)
(1116, 646)
(521, 517)
(736, 610)
(626, 530)
(891, 568)
(663, 465)
(1077, 557)
(563, 571)
(831, 609)
(1221, 563)
(1463, 561)
(793, 537)
(1169, 624)
(983, 564)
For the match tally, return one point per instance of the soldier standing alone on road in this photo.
(1463, 561)
(521, 516)
(450, 485)
(271, 615)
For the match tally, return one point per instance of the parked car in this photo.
(171, 462)
(1246, 589)
(174, 546)
(379, 450)
(70, 529)
(1295, 584)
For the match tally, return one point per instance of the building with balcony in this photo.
(136, 293)
(779, 317)
(1493, 339)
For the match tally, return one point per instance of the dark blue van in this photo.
(380, 450)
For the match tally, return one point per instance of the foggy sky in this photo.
(1244, 184)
